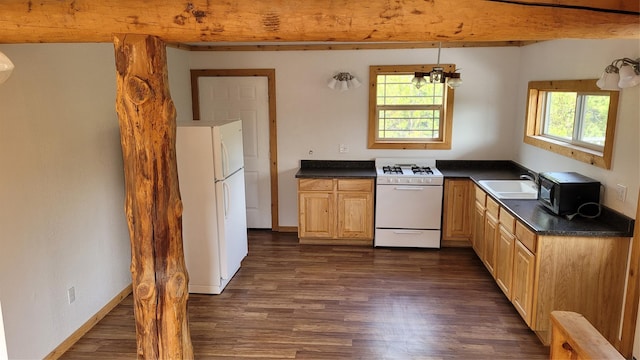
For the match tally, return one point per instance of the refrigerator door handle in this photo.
(225, 186)
(225, 159)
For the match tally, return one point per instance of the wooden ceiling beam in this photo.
(342, 46)
(613, 6)
(26, 21)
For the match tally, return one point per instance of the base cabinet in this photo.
(523, 275)
(580, 274)
(490, 236)
(354, 215)
(477, 231)
(541, 273)
(457, 218)
(335, 211)
(317, 214)
(504, 260)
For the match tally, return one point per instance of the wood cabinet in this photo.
(477, 231)
(490, 235)
(505, 243)
(522, 285)
(543, 273)
(457, 209)
(335, 211)
(581, 274)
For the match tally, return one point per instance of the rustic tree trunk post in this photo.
(153, 207)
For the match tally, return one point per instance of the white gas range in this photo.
(408, 203)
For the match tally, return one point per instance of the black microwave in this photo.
(564, 192)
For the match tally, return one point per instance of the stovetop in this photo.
(408, 171)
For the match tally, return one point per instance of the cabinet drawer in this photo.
(355, 185)
(481, 196)
(315, 184)
(492, 207)
(526, 237)
(507, 220)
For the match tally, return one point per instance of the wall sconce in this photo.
(622, 73)
(343, 81)
(6, 67)
(437, 75)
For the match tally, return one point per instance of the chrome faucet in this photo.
(530, 176)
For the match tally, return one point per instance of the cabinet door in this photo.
(504, 259)
(355, 215)
(490, 234)
(456, 224)
(478, 229)
(316, 214)
(522, 286)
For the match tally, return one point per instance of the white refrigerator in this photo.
(214, 220)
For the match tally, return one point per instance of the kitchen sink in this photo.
(511, 189)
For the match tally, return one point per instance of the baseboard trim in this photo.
(289, 229)
(73, 338)
(455, 243)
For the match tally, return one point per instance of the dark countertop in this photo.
(337, 169)
(609, 224)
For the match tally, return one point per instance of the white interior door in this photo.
(246, 98)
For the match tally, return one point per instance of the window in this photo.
(404, 117)
(573, 118)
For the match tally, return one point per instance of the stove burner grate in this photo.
(422, 170)
(392, 170)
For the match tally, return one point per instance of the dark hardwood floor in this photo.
(291, 301)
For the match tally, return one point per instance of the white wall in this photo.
(585, 59)
(180, 83)
(311, 116)
(62, 194)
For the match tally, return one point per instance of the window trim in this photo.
(533, 122)
(447, 119)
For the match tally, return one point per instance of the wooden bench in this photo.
(573, 337)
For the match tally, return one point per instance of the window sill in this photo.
(410, 145)
(586, 155)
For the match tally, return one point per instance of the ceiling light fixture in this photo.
(6, 67)
(437, 75)
(343, 81)
(622, 73)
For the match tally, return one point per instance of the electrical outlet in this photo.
(621, 192)
(71, 294)
(344, 148)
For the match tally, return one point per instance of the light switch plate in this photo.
(621, 192)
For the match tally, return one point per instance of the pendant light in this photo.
(437, 75)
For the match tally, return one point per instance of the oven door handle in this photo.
(409, 188)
